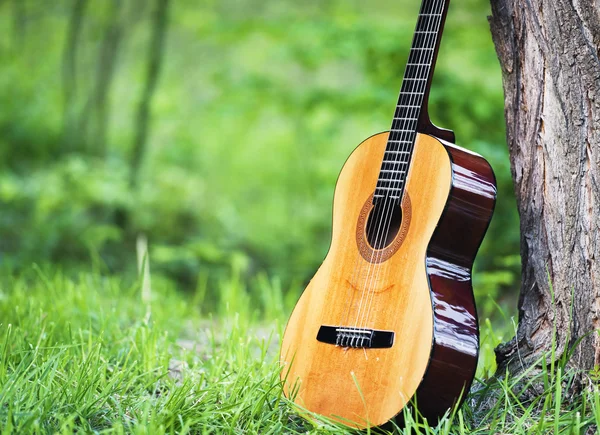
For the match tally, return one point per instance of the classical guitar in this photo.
(389, 319)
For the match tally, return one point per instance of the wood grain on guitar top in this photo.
(356, 386)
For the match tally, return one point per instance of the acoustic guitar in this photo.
(389, 319)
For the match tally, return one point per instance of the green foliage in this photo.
(86, 354)
(258, 106)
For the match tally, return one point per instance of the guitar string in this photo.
(393, 182)
(413, 106)
(429, 38)
(425, 58)
(356, 275)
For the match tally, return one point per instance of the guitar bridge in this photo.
(346, 336)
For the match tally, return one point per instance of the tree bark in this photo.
(548, 50)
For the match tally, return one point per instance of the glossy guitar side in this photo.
(422, 292)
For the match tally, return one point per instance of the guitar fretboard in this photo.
(415, 85)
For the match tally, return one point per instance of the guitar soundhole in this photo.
(383, 224)
(373, 246)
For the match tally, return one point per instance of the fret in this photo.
(417, 100)
(410, 94)
(410, 85)
(387, 188)
(379, 196)
(398, 152)
(394, 162)
(391, 178)
(430, 15)
(425, 32)
(399, 162)
(404, 115)
(416, 63)
(407, 107)
(422, 49)
(393, 190)
(390, 171)
(401, 131)
(397, 118)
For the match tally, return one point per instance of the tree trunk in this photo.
(69, 69)
(548, 51)
(155, 56)
(97, 109)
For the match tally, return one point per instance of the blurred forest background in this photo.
(217, 129)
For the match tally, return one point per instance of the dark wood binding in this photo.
(450, 258)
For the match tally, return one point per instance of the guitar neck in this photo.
(411, 110)
(421, 61)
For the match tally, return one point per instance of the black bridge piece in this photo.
(348, 336)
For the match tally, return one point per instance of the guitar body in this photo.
(417, 288)
(389, 318)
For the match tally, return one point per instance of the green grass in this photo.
(85, 354)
